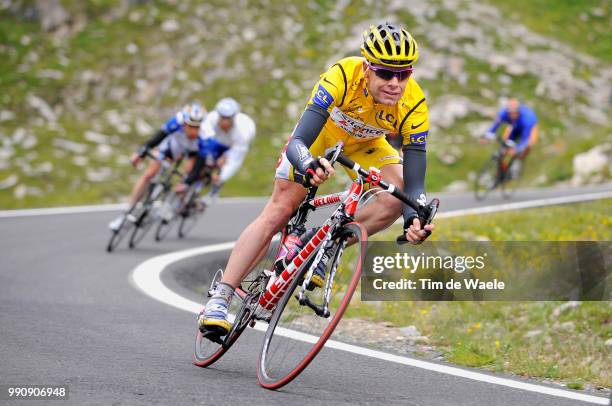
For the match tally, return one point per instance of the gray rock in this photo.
(50, 74)
(6, 153)
(71, 146)
(532, 333)
(457, 186)
(563, 307)
(20, 192)
(410, 331)
(6, 115)
(170, 26)
(98, 175)
(52, 14)
(9, 182)
(142, 127)
(591, 163)
(43, 108)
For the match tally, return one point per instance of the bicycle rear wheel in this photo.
(486, 180)
(167, 216)
(296, 333)
(209, 349)
(245, 299)
(509, 187)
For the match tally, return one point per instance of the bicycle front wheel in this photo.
(117, 236)
(296, 332)
(486, 179)
(191, 213)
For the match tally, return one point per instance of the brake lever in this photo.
(425, 217)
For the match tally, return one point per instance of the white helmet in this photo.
(227, 107)
(193, 114)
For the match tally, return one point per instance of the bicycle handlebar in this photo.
(166, 164)
(425, 212)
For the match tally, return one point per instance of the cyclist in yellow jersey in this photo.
(358, 101)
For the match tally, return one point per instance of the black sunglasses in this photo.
(386, 74)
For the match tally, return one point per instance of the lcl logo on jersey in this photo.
(389, 118)
(419, 138)
(322, 97)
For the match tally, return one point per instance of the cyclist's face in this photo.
(191, 131)
(226, 123)
(385, 91)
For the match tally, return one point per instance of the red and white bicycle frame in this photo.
(350, 200)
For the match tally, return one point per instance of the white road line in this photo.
(47, 211)
(528, 204)
(147, 277)
(550, 201)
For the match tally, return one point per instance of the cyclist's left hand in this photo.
(414, 233)
(321, 175)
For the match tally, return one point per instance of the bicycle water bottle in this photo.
(291, 246)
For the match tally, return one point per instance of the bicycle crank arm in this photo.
(317, 309)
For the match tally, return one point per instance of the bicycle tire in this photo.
(164, 225)
(117, 236)
(207, 352)
(190, 216)
(509, 187)
(213, 351)
(143, 222)
(486, 179)
(281, 359)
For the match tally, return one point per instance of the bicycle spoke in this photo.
(283, 356)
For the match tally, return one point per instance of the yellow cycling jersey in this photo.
(355, 116)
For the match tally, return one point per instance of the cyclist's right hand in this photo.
(135, 159)
(317, 172)
(138, 156)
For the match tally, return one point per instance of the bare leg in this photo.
(285, 199)
(143, 181)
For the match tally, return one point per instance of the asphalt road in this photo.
(68, 315)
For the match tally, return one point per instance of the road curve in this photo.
(69, 316)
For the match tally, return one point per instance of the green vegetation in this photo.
(114, 68)
(525, 338)
(583, 24)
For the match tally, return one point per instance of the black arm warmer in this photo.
(306, 132)
(195, 171)
(415, 163)
(156, 139)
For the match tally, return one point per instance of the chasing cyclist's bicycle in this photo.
(301, 319)
(185, 208)
(499, 171)
(139, 217)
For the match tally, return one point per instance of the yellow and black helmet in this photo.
(389, 45)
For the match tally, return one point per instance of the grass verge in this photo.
(533, 339)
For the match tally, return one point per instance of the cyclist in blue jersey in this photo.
(522, 128)
(178, 137)
(226, 137)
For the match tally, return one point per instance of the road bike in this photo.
(301, 319)
(499, 171)
(186, 208)
(139, 217)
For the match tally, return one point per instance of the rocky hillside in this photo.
(83, 83)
